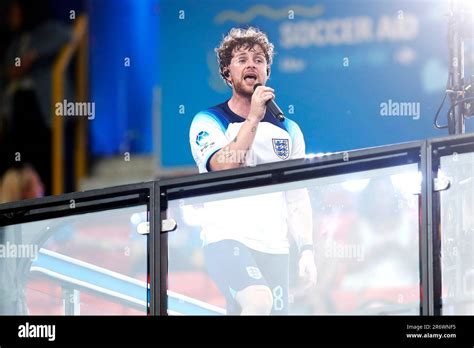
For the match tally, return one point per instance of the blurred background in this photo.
(98, 93)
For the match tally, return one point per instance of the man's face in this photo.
(247, 67)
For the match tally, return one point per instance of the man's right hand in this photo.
(227, 158)
(258, 106)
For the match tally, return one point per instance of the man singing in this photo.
(246, 239)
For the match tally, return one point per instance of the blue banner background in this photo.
(396, 50)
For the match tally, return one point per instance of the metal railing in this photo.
(78, 46)
(158, 194)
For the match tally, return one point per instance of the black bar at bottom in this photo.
(429, 331)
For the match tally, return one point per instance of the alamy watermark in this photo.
(28, 330)
(401, 109)
(344, 251)
(11, 250)
(243, 157)
(81, 109)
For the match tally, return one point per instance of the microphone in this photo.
(272, 107)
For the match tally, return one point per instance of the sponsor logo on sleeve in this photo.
(203, 141)
(202, 138)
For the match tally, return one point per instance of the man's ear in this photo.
(269, 71)
(227, 77)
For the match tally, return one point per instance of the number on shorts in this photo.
(278, 302)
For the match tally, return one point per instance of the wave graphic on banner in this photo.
(266, 11)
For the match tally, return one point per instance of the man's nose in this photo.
(251, 64)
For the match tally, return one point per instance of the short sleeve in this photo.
(298, 149)
(206, 137)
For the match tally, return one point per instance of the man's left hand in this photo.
(307, 268)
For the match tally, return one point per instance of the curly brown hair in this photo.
(240, 37)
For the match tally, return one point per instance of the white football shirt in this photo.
(257, 221)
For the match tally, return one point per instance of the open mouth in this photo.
(250, 77)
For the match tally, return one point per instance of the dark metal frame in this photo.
(437, 148)
(290, 171)
(94, 201)
(157, 194)
(426, 293)
(85, 202)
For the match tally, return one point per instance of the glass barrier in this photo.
(324, 237)
(457, 234)
(239, 252)
(89, 264)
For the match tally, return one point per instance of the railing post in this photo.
(82, 73)
(59, 69)
(71, 300)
